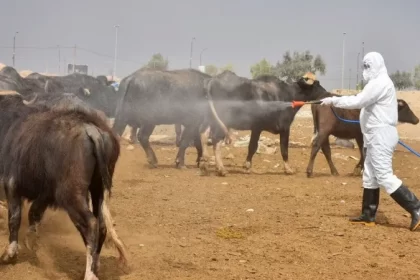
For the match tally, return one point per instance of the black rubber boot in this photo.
(369, 207)
(408, 200)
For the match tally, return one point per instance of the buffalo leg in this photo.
(97, 200)
(326, 149)
(316, 145)
(284, 148)
(188, 134)
(36, 212)
(133, 134)
(178, 132)
(359, 166)
(217, 145)
(252, 148)
(144, 135)
(205, 158)
(198, 147)
(14, 215)
(86, 224)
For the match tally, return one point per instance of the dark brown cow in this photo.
(326, 123)
(55, 159)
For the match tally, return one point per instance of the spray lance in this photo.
(295, 104)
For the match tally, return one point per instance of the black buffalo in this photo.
(56, 158)
(257, 105)
(89, 89)
(155, 97)
(11, 80)
(326, 123)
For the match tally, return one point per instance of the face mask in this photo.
(366, 75)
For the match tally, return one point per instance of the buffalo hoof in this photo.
(204, 170)
(357, 171)
(31, 241)
(90, 276)
(181, 166)
(222, 172)
(10, 254)
(287, 169)
(247, 165)
(309, 174)
(152, 163)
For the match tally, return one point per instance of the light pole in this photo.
(342, 66)
(349, 78)
(191, 50)
(14, 48)
(59, 60)
(115, 53)
(201, 54)
(357, 70)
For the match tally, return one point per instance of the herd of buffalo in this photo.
(59, 149)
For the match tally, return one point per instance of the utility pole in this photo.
(74, 58)
(363, 56)
(115, 53)
(357, 70)
(342, 66)
(349, 78)
(14, 48)
(59, 60)
(191, 51)
(201, 54)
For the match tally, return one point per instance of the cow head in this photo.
(309, 88)
(405, 115)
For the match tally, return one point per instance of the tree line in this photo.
(291, 67)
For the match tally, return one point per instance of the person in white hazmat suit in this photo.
(378, 121)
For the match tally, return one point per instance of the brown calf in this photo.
(326, 124)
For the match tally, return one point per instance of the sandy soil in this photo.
(179, 225)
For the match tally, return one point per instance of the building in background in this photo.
(82, 69)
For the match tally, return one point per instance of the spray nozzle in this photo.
(301, 103)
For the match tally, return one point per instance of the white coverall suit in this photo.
(378, 121)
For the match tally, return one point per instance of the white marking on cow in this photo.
(86, 91)
(89, 275)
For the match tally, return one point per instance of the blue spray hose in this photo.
(356, 121)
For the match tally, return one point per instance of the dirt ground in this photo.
(265, 225)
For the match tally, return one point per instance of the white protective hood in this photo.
(373, 66)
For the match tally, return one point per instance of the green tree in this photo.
(402, 80)
(296, 65)
(157, 62)
(416, 78)
(261, 68)
(211, 70)
(228, 67)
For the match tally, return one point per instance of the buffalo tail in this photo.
(213, 110)
(99, 137)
